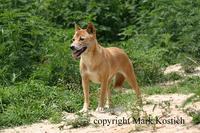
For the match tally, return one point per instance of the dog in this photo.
(100, 65)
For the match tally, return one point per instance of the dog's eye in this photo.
(73, 40)
(81, 39)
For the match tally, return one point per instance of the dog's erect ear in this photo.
(77, 27)
(90, 28)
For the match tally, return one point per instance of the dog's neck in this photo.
(93, 50)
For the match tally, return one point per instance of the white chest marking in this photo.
(93, 76)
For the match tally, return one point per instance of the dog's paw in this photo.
(100, 110)
(83, 110)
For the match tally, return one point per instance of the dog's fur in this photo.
(100, 65)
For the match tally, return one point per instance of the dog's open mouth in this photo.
(77, 53)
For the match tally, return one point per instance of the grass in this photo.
(82, 120)
(33, 101)
(190, 85)
(196, 118)
(30, 102)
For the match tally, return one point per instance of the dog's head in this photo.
(82, 40)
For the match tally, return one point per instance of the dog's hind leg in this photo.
(131, 78)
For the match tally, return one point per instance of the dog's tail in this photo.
(119, 79)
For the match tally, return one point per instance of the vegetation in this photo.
(38, 76)
(81, 121)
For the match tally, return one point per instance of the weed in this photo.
(172, 76)
(82, 120)
(195, 114)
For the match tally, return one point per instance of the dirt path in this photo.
(172, 111)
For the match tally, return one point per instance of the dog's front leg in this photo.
(85, 84)
(103, 93)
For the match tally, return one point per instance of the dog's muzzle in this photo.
(77, 50)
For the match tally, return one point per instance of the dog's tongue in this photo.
(76, 54)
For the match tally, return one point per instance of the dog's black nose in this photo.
(72, 47)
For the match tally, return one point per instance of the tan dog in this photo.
(100, 65)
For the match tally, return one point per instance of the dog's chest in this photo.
(91, 71)
(93, 76)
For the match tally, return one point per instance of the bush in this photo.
(32, 48)
(35, 44)
(165, 24)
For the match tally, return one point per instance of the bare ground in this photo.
(172, 111)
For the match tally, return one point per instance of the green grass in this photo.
(30, 102)
(190, 85)
(82, 120)
(196, 118)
